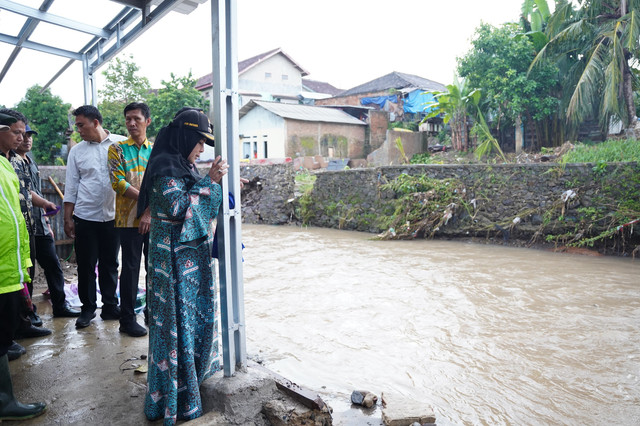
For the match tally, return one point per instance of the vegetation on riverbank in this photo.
(608, 151)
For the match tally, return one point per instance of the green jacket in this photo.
(14, 238)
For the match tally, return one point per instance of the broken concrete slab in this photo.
(239, 398)
(402, 411)
(288, 412)
(257, 396)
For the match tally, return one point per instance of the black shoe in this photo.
(146, 315)
(17, 411)
(15, 351)
(133, 329)
(31, 331)
(35, 319)
(85, 319)
(66, 311)
(110, 312)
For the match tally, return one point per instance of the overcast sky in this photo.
(342, 42)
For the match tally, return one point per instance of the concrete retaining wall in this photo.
(530, 194)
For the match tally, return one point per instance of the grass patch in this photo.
(607, 151)
(304, 181)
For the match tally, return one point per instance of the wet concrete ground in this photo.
(81, 374)
(87, 376)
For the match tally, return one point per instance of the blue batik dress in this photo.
(183, 311)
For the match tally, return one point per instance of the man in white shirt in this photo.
(89, 213)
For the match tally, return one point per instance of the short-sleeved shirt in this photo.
(24, 176)
(127, 164)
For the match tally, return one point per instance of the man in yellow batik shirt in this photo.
(127, 164)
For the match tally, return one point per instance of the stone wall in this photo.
(509, 200)
(268, 198)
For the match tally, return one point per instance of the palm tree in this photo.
(597, 44)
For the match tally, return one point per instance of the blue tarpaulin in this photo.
(379, 100)
(417, 100)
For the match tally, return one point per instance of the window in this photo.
(246, 149)
(285, 77)
(267, 75)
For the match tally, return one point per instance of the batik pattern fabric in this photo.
(127, 163)
(24, 176)
(182, 298)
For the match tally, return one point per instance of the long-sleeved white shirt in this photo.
(88, 185)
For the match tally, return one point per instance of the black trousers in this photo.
(50, 264)
(133, 245)
(11, 305)
(96, 243)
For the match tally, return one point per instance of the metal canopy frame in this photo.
(132, 21)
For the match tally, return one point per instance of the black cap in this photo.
(30, 130)
(7, 120)
(194, 119)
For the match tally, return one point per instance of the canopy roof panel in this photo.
(77, 31)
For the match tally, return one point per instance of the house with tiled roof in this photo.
(395, 96)
(272, 76)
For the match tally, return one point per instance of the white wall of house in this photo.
(264, 132)
(275, 76)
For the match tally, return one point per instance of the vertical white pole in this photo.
(225, 121)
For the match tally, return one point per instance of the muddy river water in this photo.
(484, 334)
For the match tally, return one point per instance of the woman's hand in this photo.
(218, 169)
(145, 222)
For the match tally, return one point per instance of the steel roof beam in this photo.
(41, 47)
(148, 19)
(26, 31)
(52, 19)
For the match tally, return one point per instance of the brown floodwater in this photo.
(484, 334)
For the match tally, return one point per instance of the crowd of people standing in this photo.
(122, 195)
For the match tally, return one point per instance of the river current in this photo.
(484, 334)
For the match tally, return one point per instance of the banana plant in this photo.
(457, 105)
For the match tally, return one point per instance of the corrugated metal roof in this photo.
(303, 112)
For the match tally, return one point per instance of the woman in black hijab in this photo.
(183, 310)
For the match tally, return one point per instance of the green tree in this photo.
(498, 63)
(123, 85)
(598, 43)
(176, 93)
(49, 116)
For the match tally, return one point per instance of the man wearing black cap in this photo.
(45, 249)
(14, 261)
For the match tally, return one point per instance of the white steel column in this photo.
(225, 121)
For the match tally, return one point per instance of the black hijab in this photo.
(169, 156)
